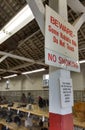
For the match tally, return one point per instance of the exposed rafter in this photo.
(82, 55)
(21, 66)
(79, 21)
(82, 33)
(76, 6)
(21, 58)
(38, 10)
(83, 48)
(12, 71)
(3, 58)
(26, 39)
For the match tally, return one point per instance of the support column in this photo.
(60, 118)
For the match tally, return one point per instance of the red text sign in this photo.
(61, 39)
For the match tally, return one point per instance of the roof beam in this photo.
(15, 69)
(26, 39)
(21, 66)
(82, 55)
(15, 56)
(3, 58)
(81, 49)
(38, 10)
(79, 21)
(5, 70)
(21, 58)
(82, 33)
(76, 6)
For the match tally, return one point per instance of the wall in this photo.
(33, 84)
(17, 85)
(83, 72)
(79, 78)
(79, 84)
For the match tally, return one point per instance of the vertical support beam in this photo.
(38, 10)
(59, 118)
(60, 7)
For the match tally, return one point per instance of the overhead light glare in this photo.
(82, 61)
(18, 22)
(34, 71)
(10, 76)
(2, 35)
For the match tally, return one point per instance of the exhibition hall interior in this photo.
(28, 67)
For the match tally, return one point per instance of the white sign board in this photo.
(60, 41)
(66, 92)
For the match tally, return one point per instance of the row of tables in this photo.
(35, 111)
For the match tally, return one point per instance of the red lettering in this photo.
(52, 57)
(67, 62)
(60, 60)
(70, 47)
(55, 22)
(55, 40)
(53, 31)
(73, 43)
(64, 37)
(62, 43)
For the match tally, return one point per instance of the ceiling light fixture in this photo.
(18, 22)
(34, 71)
(82, 61)
(10, 76)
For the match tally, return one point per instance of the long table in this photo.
(79, 123)
(38, 112)
(35, 111)
(13, 126)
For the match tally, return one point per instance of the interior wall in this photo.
(29, 82)
(34, 81)
(83, 72)
(34, 84)
(24, 84)
(79, 78)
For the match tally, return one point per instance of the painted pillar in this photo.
(60, 118)
(60, 115)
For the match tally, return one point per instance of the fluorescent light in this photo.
(82, 61)
(2, 35)
(10, 76)
(34, 71)
(18, 22)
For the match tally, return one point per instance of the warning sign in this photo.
(60, 40)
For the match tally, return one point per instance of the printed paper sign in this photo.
(66, 92)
